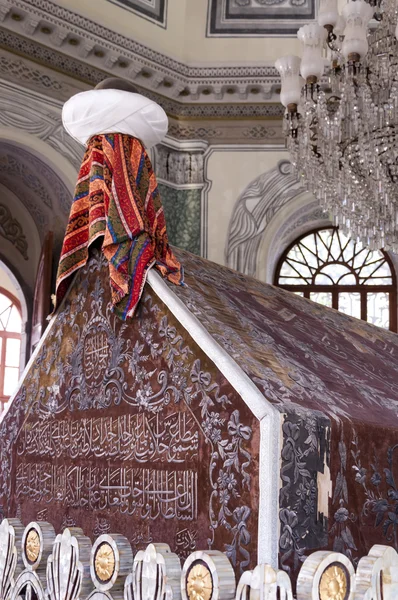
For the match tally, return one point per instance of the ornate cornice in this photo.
(224, 131)
(17, 69)
(43, 78)
(26, 84)
(99, 48)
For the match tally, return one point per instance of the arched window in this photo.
(329, 268)
(10, 344)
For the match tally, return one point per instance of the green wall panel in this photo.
(183, 216)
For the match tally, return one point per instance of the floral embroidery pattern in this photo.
(384, 506)
(341, 531)
(90, 361)
(300, 524)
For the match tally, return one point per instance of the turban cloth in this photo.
(117, 197)
(109, 111)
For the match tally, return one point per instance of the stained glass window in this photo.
(329, 268)
(10, 344)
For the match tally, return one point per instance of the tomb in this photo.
(226, 415)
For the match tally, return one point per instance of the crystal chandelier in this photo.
(343, 137)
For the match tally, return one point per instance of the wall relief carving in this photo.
(24, 111)
(37, 186)
(179, 167)
(255, 208)
(11, 230)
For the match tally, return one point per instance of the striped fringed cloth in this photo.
(117, 197)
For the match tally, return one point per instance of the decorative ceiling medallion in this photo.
(270, 18)
(153, 10)
(334, 583)
(32, 546)
(199, 582)
(104, 562)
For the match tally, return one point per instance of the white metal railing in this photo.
(37, 564)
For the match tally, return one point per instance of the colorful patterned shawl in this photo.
(117, 197)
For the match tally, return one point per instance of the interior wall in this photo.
(38, 173)
(185, 37)
(19, 257)
(230, 50)
(300, 215)
(229, 170)
(23, 262)
(168, 41)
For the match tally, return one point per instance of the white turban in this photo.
(114, 111)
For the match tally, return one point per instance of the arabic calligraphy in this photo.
(140, 437)
(185, 541)
(146, 493)
(96, 355)
(141, 537)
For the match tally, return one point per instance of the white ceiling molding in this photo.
(61, 76)
(217, 124)
(95, 46)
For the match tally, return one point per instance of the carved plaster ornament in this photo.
(377, 574)
(156, 573)
(68, 567)
(10, 535)
(37, 545)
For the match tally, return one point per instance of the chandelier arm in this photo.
(331, 39)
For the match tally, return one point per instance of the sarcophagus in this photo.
(227, 415)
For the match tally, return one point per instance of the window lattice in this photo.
(329, 268)
(10, 344)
